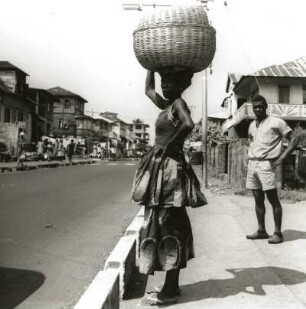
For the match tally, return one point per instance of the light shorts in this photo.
(261, 175)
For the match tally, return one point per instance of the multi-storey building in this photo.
(140, 134)
(68, 107)
(43, 116)
(283, 86)
(122, 130)
(15, 109)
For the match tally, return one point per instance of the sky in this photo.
(87, 47)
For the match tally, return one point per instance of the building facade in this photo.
(43, 116)
(123, 132)
(283, 86)
(67, 108)
(15, 109)
(140, 134)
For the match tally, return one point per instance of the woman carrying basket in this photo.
(165, 185)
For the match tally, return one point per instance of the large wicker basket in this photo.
(178, 38)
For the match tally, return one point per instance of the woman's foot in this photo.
(157, 299)
(157, 289)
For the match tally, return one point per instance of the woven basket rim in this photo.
(191, 25)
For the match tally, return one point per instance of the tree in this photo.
(214, 135)
(137, 121)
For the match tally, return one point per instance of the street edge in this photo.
(111, 284)
(44, 165)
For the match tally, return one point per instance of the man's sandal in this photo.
(258, 235)
(276, 238)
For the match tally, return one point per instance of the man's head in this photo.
(259, 105)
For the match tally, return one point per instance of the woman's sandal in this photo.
(153, 300)
(157, 289)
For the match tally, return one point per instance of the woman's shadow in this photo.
(247, 280)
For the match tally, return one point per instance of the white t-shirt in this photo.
(266, 139)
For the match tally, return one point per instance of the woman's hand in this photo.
(161, 150)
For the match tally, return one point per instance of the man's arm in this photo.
(294, 141)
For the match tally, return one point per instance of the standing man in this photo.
(70, 150)
(265, 153)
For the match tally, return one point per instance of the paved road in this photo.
(57, 227)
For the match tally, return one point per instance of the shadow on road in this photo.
(16, 285)
(247, 280)
(291, 235)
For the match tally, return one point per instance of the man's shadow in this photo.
(291, 235)
(247, 280)
(16, 285)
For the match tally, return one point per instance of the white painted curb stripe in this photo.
(110, 285)
(102, 293)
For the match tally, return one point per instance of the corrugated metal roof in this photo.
(232, 79)
(58, 91)
(103, 119)
(295, 68)
(235, 77)
(5, 65)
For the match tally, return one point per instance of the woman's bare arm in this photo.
(186, 124)
(152, 94)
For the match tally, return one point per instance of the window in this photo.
(7, 115)
(60, 123)
(67, 102)
(14, 115)
(138, 126)
(304, 95)
(283, 94)
(20, 116)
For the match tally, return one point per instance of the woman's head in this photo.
(174, 83)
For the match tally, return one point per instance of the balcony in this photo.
(285, 111)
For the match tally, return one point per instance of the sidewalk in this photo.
(33, 165)
(230, 271)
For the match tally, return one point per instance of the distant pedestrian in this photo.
(70, 150)
(21, 151)
(265, 153)
(55, 148)
(49, 151)
(61, 150)
(40, 150)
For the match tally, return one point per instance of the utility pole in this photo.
(204, 128)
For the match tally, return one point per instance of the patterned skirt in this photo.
(165, 186)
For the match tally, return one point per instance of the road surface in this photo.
(57, 227)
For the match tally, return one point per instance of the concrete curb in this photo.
(102, 293)
(111, 284)
(124, 256)
(43, 165)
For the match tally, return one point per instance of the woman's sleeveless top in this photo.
(165, 127)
